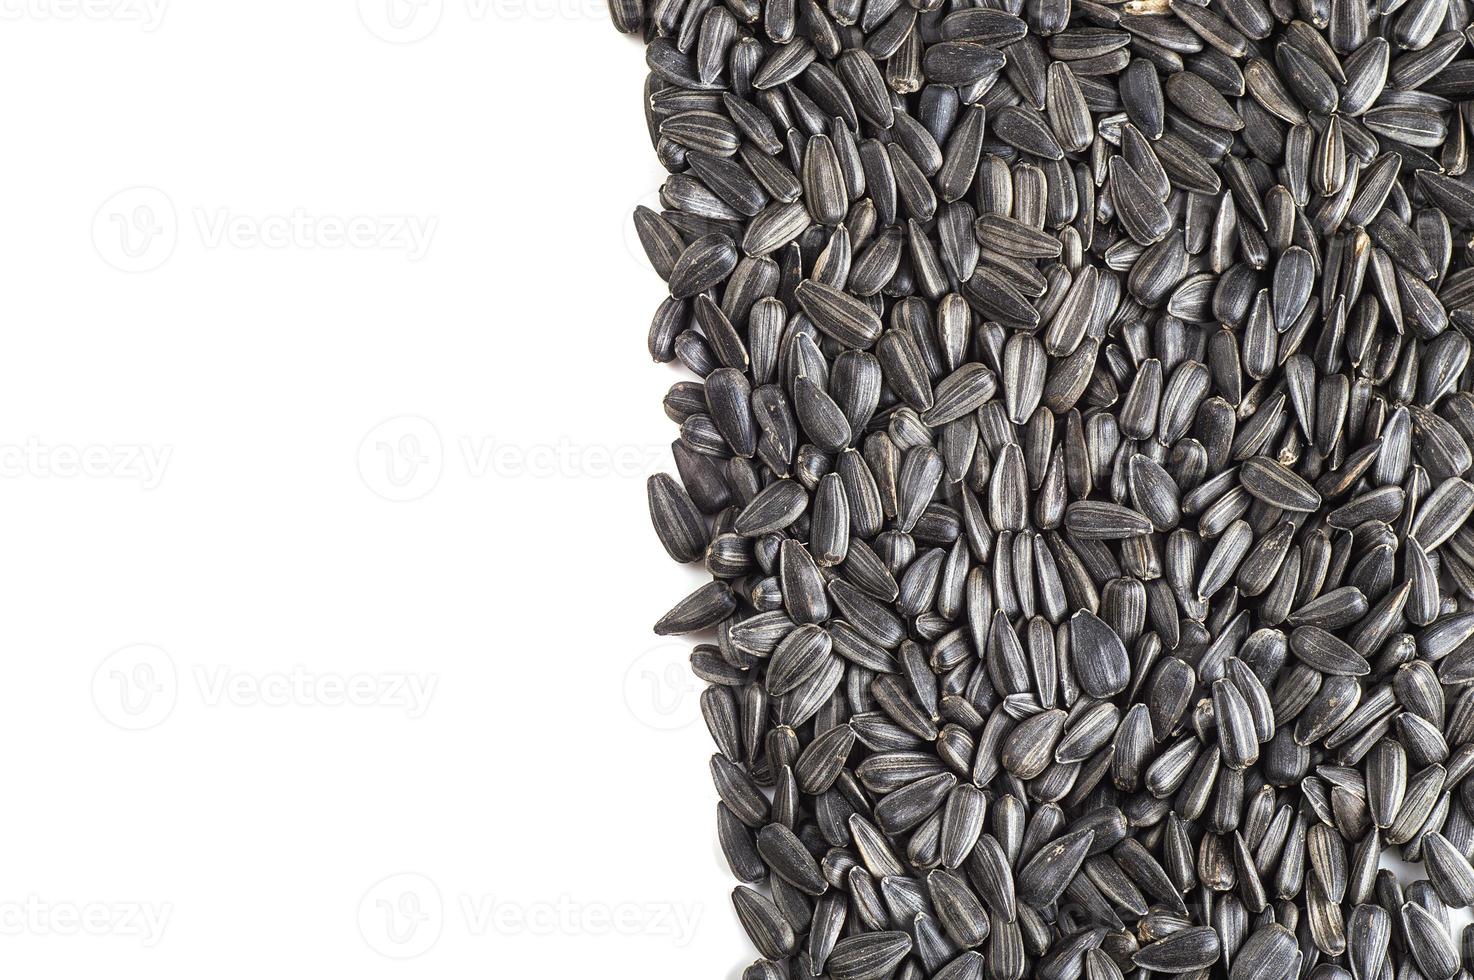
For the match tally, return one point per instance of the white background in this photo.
(195, 539)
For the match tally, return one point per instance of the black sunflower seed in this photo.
(869, 956)
(1081, 453)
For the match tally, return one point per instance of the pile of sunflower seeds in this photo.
(1081, 455)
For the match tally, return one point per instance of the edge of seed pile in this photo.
(1080, 448)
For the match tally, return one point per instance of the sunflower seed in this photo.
(869, 956)
(1275, 484)
(1045, 876)
(1132, 318)
(1183, 951)
(1428, 942)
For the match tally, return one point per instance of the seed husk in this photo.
(1182, 951)
(869, 956)
(763, 923)
(1428, 942)
(1081, 454)
(1047, 874)
(1448, 871)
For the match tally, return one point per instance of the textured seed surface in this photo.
(1076, 421)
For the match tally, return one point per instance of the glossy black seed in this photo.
(1081, 448)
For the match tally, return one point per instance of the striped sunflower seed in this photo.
(1080, 452)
